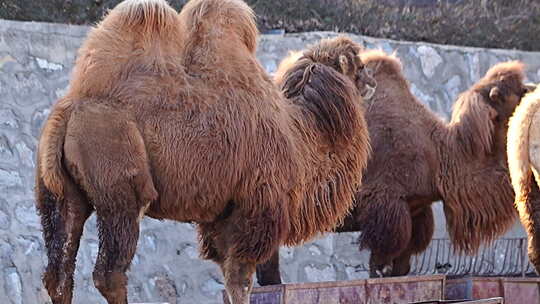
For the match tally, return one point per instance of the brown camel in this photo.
(524, 164)
(418, 159)
(171, 116)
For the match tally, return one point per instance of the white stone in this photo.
(422, 97)
(326, 243)
(10, 178)
(7, 118)
(14, 286)
(150, 242)
(26, 155)
(5, 60)
(474, 66)
(60, 92)
(453, 87)
(4, 220)
(27, 216)
(270, 66)
(46, 65)
(191, 252)
(430, 59)
(314, 250)
(286, 253)
(28, 244)
(212, 287)
(353, 274)
(314, 274)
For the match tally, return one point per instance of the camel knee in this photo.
(110, 283)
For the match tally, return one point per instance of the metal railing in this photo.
(503, 257)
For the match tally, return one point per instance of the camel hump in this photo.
(212, 16)
(144, 17)
(524, 143)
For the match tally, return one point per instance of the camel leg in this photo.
(531, 222)
(238, 279)
(63, 222)
(423, 227)
(118, 236)
(268, 273)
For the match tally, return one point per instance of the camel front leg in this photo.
(268, 273)
(238, 279)
(529, 212)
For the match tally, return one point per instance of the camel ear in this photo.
(343, 64)
(495, 94)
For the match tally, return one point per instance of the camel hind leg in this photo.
(531, 217)
(63, 223)
(269, 273)
(423, 227)
(118, 217)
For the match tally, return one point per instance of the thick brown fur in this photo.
(171, 116)
(523, 165)
(417, 159)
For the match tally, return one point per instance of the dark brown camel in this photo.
(524, 165)
(171, 116)
(418, 159)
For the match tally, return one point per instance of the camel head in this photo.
(489, 104)
(341, 54)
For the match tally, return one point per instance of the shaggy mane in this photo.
(327, 95)
(476, 206)
(329, 102)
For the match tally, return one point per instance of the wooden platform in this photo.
(369, 291)
(513, 290)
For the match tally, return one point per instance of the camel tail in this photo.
(146, 18)
(518, 146)
(50, 150)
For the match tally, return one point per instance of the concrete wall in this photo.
(35, 64)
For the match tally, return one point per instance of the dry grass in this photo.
(483, 23)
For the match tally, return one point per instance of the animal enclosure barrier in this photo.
(514, 290)
(504, 257)
(369, 291)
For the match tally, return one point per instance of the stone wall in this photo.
(35, 63)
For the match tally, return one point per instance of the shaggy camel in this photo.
(418, 159)
(524, 164)
(171, 116)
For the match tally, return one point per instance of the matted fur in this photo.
(470, 177)
(418, 159)
(172, 116)
(521, 173)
